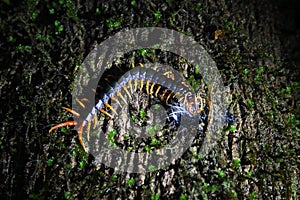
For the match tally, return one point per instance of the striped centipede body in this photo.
(163, 85)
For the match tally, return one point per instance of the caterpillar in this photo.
(163, 85)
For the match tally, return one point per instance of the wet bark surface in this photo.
(255, 45)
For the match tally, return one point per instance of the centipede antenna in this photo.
(180, 110)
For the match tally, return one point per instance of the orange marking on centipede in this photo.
(147, 86)
(168, 97)
(157, 91)
(164, 93)
(151, 89)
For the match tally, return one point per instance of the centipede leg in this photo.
(122, 97)
(130, 85)
(72, 111)
(88, 130)
(106, 113)
(95, 121)
(80, 137)
(142, 84)
(116, 100)
(135, 84)
(110, 107)
(80, 103)
(68, 123)
(127, 92)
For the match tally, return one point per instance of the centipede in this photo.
(163, 85)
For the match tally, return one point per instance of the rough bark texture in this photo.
(256, 47)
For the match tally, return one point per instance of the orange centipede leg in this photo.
(135, 84)
(110, 107)
(80, 103)
(106, 113)
(130, 85)
(68, 123)
(80, 137)
(95, 121)
(122, 97)
(142, 84)
(127, 92)
(88, 130)
(116, 100)
(72, 111)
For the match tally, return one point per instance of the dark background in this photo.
(42, 42)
